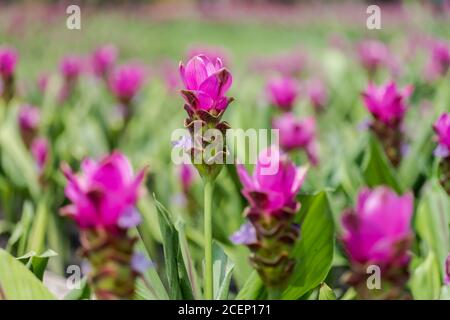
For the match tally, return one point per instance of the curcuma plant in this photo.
(333, 184)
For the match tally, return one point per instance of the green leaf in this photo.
(39, 230)
(222, 271)
(313, 252)
(21, 231)
(17, 162)
(432, 222)
(81, 293)
(253, 289)
(177, 276)
(376, 168)
(326, 293)
(425, 281)
(37, 262)
(445, 293)
(19, 283)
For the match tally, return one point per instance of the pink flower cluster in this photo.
(105, 194)
(8, 61)
(379, 229)
(297, 134)
(283, 92)
(387, 103)
(206, 83)
(442, 129)
(274, 184)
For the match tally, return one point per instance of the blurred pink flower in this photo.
(317, 93)
(206, 83)
(187, 176)
(274, 184)
(103, 60)
(378, 230)
(42, 82)
(442, 129)
(105, 194)
(373, 54)
(40, 151)
(71, 67)
(297, 134)
(170, 76)
(28, 118)
(126, 81)
(439, 61)
(387, 103)
(447, 271)
(282, 92)
(8, 61)
(289, 64)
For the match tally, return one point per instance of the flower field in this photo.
(225, 150)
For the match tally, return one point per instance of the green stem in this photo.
(208, 274)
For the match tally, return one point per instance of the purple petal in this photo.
(185, 143)
(129, 219)
(441, 151)
(245, 235)
(140, 263)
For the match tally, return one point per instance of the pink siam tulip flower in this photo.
(442, 129)
(105, 194)
(29, 118)
(274, 183)
(206, 83)
(297, 134)
(42, 82)
(282, 92)
(317, 95)
(71, 67)
(40, 151)
(379, 231)
(171, 76)
(439, 62)
(447, 271)
(387, 103)
(373, 54)
(103, 60)
(8, 62)
(271, 232)
(187, 176)
(126, 81)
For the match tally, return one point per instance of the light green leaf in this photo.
(432, 222)
(313, 252)
(177, 276)
(19, 283)
(376, 168)
(222, 271)
(81, 293)
(425, 281)
(37, 262)
(326, 293)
